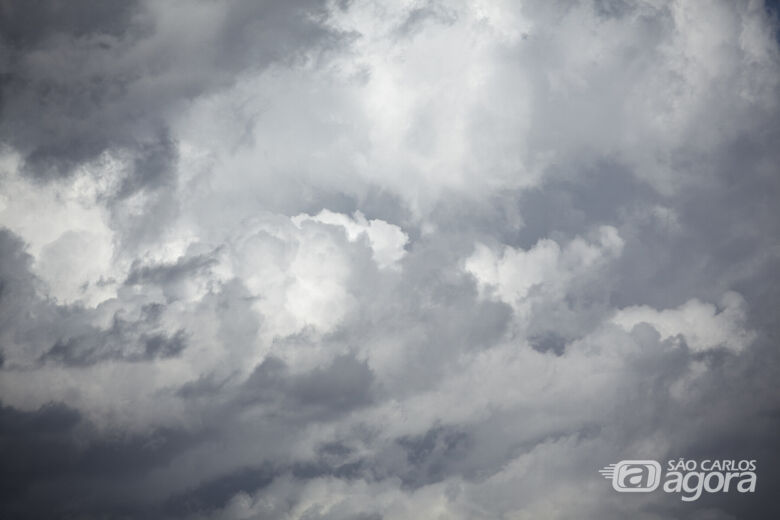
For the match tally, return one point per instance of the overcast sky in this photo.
(385, 260)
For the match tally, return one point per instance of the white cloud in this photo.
(703, 325)
(387, 241)
(545, 270)
(67, 231)
(299, 275)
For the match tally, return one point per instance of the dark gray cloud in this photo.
(26, 25)
(354, 260)
(343, 385)
(113, 344)
(95, 77)
(56, 464)
(169, 274)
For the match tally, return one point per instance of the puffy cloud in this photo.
(702, 325)
(516, 275)
(387, 240)
(59, 222)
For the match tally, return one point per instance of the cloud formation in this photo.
(385, 260)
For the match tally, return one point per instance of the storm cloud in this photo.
(386, 260)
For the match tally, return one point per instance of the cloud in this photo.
(702, 325)
(368, 260)
(122, 69)
(387, 240)
(518, 275)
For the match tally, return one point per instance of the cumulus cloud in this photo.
(365, 260)
(387, 240)
(702, 325)
(546, 267)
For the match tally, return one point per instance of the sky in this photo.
(363, 260)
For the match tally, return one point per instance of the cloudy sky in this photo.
(385, 259)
